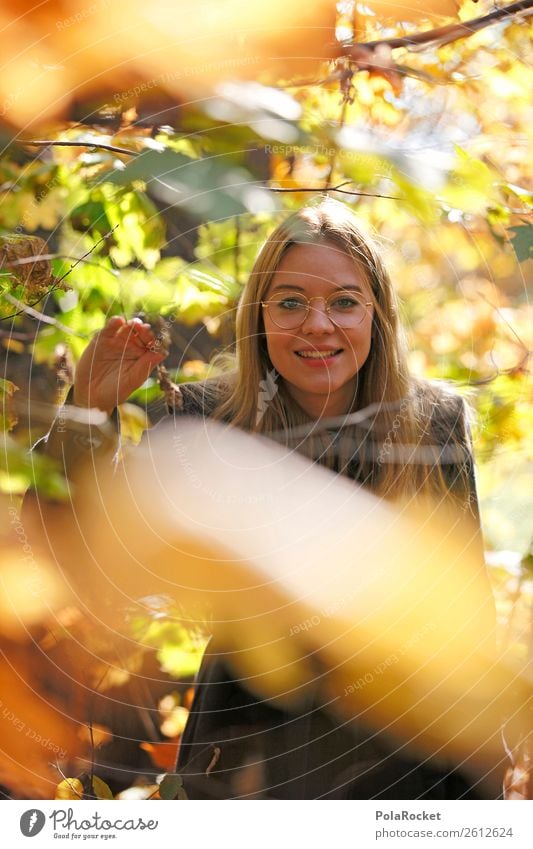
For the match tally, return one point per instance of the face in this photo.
(319, 361)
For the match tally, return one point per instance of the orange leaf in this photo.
(162, 755)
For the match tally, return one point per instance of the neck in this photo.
(324, 407)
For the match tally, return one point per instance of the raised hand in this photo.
(116, 362)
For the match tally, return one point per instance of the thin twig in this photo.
(499, 372)
(97, 145)
(508, 323)
(39, 257)
(333, 160)
(26, 307)
(46, 319)
(322, 189)
(448, 33)
(68, 780)
(87, 253)
(93, 754)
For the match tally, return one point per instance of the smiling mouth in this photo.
(319, 355)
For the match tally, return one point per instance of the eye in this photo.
(291, 303)
(345, 302)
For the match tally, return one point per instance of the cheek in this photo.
(279, 345)
(359, 343)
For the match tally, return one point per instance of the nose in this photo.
(317, 320)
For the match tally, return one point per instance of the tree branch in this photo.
(58, 281)
(448, 33)
(31, 259)
(97, 145)
(46, 319)
(88, 253)
(323, 189)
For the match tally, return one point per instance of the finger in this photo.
(145, 333)
(113, 325)
(156, 355)
(128, 334)
(148, 362)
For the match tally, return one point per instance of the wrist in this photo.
(82, 399)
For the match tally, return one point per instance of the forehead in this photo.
(319, 267)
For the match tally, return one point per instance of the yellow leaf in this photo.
(30, 587)
(8, 417)
(101, 789)
(13, 345)
(133, 423)
(69, 789)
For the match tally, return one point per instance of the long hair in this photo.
(400, 409)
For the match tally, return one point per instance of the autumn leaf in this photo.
(69, 789)
(8, 417)
(101, 789)
(184, 50)
(163, 755)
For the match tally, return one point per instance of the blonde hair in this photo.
(400, 407)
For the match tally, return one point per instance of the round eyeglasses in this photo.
(289, 310)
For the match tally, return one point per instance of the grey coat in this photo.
(236, 745)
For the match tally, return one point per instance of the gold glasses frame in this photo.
(340, 292)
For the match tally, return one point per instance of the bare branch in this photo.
(89, 252)
(324, 189)
(46, 319)
(448, 33)
(91, 145)
(26, 260)
(26, 307)
(519, 368)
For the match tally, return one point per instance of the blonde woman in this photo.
(320, 365)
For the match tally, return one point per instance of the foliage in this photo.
(140, 217)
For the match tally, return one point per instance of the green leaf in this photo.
(418, 200)
(471, 185)
(171, 787)
(20, 470)
(212, 187)
(140, 232)
(90, 217)
(522, 241)
(180, 661)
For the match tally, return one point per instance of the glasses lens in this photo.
(346, 309)
(288, 311)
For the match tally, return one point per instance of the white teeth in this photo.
(316, 355)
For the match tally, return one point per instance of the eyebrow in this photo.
(283, 288)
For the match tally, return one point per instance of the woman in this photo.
(320, 366)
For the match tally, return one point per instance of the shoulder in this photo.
(203, 397)
(442, 411)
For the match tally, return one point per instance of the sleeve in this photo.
(77, 434)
